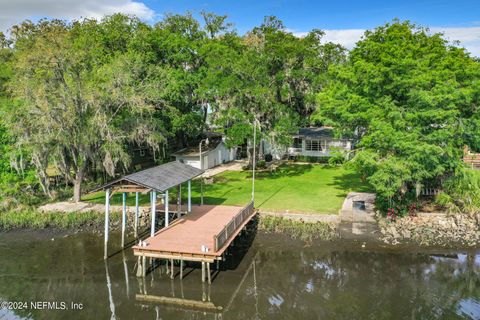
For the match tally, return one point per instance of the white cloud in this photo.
(13, 12)
(469, 37)
(347, 37)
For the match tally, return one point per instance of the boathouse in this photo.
(201, 233)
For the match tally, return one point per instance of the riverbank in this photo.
(296, 226)
(424, 230)
(433, 229)
(33, 219)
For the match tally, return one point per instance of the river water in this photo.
(269, 277)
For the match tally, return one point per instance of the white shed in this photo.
(212, 155)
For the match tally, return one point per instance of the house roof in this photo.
(194, 151)
(315, 132)
(159, 178)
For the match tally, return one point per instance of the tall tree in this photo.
(412, 101)
(76, 96)
(269, 76)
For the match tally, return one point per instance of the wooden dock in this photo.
(200, 236)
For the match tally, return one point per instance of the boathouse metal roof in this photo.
(159, 178)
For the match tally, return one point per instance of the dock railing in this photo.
(222, 237)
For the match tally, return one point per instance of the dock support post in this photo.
(154, 198)
(179, 201)
(144, 266)
(181, 269)
(124, 217)
(166, 208)
(189, 200)
(208, 273)
(203, 271)
(139, 267)
(107, 212)
(136, 214)
(172, 275)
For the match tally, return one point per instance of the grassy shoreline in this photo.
(33, 219)
(305, 231)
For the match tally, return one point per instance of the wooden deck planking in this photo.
(185, 236)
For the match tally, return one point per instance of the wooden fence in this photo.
(430, 192)
(470, 158)
(229, 230)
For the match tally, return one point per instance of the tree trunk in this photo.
(77, 183)
(77, 189)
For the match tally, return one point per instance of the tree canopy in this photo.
(411, 99)
(75, 95)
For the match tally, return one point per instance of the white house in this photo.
(213, 154)
(317, 142)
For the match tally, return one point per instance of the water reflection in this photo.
(109, 287)
(273, 278)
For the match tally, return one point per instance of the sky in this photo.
(343, 21)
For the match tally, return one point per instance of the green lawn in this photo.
(297, 188)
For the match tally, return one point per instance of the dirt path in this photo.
(235, 165)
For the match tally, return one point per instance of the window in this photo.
(297, 143)
(338, 143)
(313, 145)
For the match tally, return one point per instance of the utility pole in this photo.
(253, 161)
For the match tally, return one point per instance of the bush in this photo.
(461, 192)
(337, 158)
(311, 159)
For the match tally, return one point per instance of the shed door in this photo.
(205, 162)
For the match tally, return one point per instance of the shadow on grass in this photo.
(286, 170)
(348, 182)
(270, 197)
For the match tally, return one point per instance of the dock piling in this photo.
(189, 198)
(107, 212)
(209, 275)
(136, 214)
(124, 217)
(166, 208)
(179, 201)
(144, 266)
(154, 199)
(181, 269)
(139, 267)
